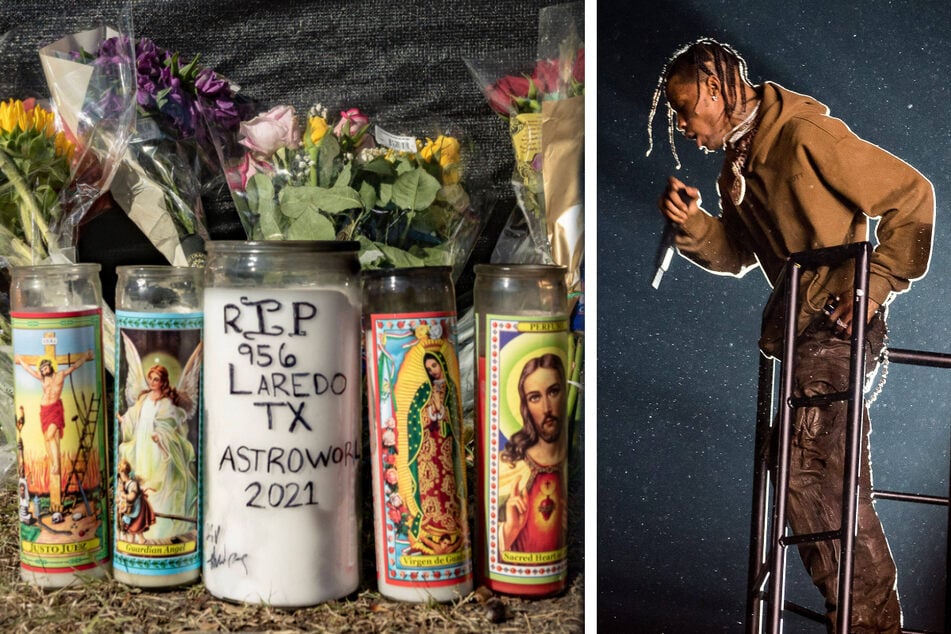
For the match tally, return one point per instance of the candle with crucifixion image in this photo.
(58, 379)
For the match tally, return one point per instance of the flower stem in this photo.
(30, 213)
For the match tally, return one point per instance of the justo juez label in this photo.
(524, 439)
(282, 398)
(419, 465)
(157, 440)
(61, 453)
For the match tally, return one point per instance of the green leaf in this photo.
(386, 194)
(269, 223)
(343, 178)
(188, 73)
(312, 226)
(437, 256)
(371, 256)
(398, 257)
(260, 192)
(415, 190)
(380, 166)
(326, 158)
(404, 165)
(368, 195)
(296, 201)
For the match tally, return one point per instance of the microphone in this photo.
(667, 248)
(665, 253)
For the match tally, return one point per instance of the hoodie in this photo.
(812, 183)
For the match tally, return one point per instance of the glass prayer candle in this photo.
(415, 414)
(157, 434)
(282, 393)
(521, 432)
(56, 320)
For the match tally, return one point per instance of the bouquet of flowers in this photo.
(542, 102)
(400, 197)
(179, 109)
(35, 168)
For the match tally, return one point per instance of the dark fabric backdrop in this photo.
(399, 62)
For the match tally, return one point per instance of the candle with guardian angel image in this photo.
(157, 432)
(282, 394)
(56, 320)
(414, 395)
(521, 315)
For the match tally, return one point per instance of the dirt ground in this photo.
(105, 605)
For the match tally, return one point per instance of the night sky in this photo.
(677, 366)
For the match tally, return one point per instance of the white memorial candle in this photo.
(282, 446)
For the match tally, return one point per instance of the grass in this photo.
(104, 605)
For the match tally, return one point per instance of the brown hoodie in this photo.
(812, 183)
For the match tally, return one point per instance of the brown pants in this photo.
(815, 484)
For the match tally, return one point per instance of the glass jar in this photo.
(416, 429)
(521, 431)
(157, 433)
(56, 322)
(282, 394)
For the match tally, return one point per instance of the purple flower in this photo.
(207, 83)
(113, 51)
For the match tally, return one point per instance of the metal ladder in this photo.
(766, 603)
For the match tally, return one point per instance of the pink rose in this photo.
(390, 476)
(502, 94)
(268, 132)
(389, 438)
(250, 166)
(352, 123)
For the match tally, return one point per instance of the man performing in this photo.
(533, 469)
(53, 419)
(796, 179)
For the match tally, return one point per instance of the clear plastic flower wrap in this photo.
(55, 162)
(542, 102)
(172, 112)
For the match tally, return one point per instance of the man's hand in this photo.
(842, 316)
(516, 515)
(679, 202)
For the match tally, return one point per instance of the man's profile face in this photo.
(699, 117)
(544, 394)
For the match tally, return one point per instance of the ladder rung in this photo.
(910, 497)
(820, 400)
(812, 615)
(807, 538)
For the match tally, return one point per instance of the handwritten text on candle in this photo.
(264, 320)
(272, 346)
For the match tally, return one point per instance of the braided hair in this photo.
(704, 57)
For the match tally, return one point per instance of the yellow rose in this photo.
(316, 129)
(444, 149)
